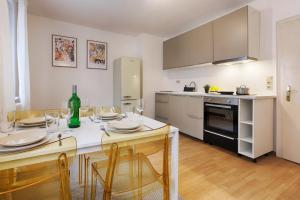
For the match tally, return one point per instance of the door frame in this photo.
(279, 89)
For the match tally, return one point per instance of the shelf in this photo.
(245, 153)
(246, 111)
(249, 122)
(245, 148)
(246, 139)
(245, 132)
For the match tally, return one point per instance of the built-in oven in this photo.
(221, 122)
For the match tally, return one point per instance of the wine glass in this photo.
(52, 121)
(7, 121)
(98, 112)
(139, 108)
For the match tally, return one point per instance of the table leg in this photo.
(174, 166)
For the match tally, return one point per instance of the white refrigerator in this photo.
(127, 83)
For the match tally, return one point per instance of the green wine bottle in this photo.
(74, 105)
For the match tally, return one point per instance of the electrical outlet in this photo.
(177, 81)
(269, 82)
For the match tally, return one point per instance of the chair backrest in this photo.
(23, 114)
(38, 173)
(154, 148)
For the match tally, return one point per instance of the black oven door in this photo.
(221, 119)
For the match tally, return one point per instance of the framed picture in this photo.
(64, 51)
(96, 55)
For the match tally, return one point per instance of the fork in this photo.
(103, 129)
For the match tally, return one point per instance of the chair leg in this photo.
(80, 169)
(106, 195)
(86, 177)
(93, 186)
(140, 177)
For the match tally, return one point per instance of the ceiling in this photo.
(164, 18)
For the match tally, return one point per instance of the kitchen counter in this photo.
(217, 95)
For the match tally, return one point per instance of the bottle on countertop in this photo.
(74, 104)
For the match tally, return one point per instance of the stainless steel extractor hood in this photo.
(233, 61)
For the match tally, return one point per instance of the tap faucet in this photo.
(194, 84)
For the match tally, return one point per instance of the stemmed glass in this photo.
(52, 121)
(84, 110)
(97, 115)
(64, 118)
(7, 121)
(138, 110)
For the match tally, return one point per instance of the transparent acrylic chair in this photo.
(86, 159)
(135, 175)
(38, 173)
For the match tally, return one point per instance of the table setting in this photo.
(19, 135)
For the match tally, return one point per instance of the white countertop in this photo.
(251, 96)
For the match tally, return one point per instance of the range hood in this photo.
(233, 61)
(236, 37)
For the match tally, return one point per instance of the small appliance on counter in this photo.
(242, 90)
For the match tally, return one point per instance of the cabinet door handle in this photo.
(126, 104)
(217, 106)
(230, 138)
(158, 101)
(127, 97)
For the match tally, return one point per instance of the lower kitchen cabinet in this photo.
(183, 112)
(162, 107)
(194, 116)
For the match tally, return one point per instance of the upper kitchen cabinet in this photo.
(236, 36)
(191, 48)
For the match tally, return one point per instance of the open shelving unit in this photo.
(245, 143)
(255, 136)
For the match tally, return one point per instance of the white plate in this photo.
(23, 137)
(13, 149)
(109, 115)
(126, 131)
(34, 120)
(31, 125)
(125, 125)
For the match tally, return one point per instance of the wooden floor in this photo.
(210, 173)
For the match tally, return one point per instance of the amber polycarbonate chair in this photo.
(136, 175)
(24, 114)
(86, 159)
(38, 173)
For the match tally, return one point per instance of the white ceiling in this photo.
(158, 17)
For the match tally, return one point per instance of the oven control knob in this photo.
(228, 101)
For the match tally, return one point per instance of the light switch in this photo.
(177, 81)
(269, 82)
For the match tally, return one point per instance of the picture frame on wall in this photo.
(64, 51)
(96, 55)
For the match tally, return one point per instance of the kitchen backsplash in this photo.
(254, 75)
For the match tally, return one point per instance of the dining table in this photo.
(91, 138)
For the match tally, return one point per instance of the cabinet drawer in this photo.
(162, 98)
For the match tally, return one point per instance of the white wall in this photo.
(51, 86)
(151, 52)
